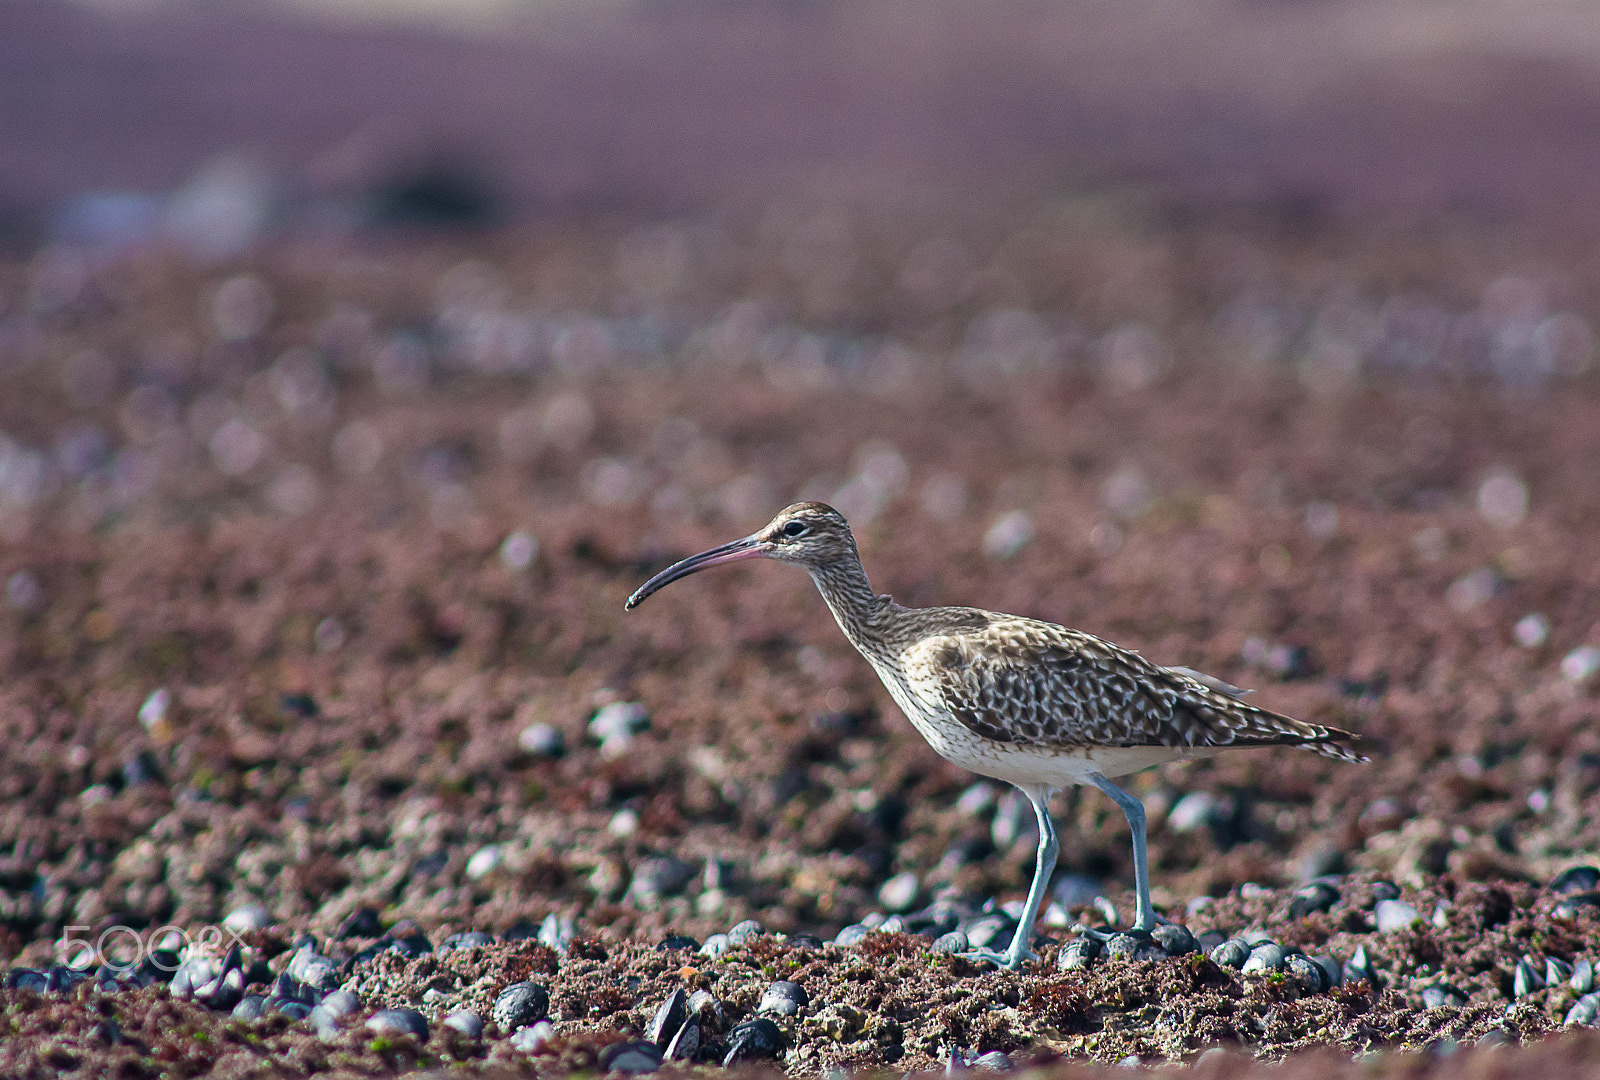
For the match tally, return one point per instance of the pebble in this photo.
(1584, 1011)
(1231, 954)
(1526, 979)
(557, 931)
(1359, 967)
(854, 934)
(1306, 974)
(754, 1040)
(1332, 971)
(1266, 957)
(686, 1043)
(294, 1010)
(659, 877)
(631, 1058)
(899, 893)
(531, 1039)
(616, 724)
(339, 1003)
(1385, 890)
(977, 799)
(466, 1022)
(1210, 939)
(953, 942)
(542, 740)
(192, 974)
(1576, 879)
(1193, 811)
(990, 931)
(470, 939)
(1174, 939)
(1438, 995)
(993, 1061)
(668, 1019)
(248, 917)
(250, 1007)
(519, 1005)
(1392, 915)
(1582, 980)
(716, 945)
(1078, 954)
(678, 941)
(1556, 971)
(485, 861)
(784, 998)
(704, 1004)
(399, 1022)
(1572, 904)
(743, 932)
(1317, 896)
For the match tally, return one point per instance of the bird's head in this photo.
(808, 534)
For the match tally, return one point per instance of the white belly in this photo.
(1026, 766)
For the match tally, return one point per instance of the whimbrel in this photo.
(1024, 701)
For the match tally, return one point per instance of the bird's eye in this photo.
(795, 528)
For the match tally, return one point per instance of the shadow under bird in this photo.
(1025, 701)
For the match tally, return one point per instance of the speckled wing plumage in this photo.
(1034, 684)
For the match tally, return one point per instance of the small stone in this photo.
(631, 1058)
(1193, 811)
(754, 1040)
(250, 1007)
(668, 1019)
(1175, 940)
(1493, 1037)
(363, 922)
(784, 998)
(466, 1022)
(399, 1022)
(519, 1005)
(805, 941)
(714, 946)
(26, 979)
(704, 1004)
(989, 931)
(248, 917)
(1392, 915)
(1582, 980)
(1264, 958)
(1359, 967)
(854, 934)
(993, 1061)
(1126, 946)
(686, 1043)
(1575, 879)
(1078, 954)
(1231, 954)
(1581, 664)
(1210, 939)
(953, 942)
(977, 799)
(1385, 890)
(340, 1003)
(1439, 995)
(542, 740)
(294, 1010)
(1556, 971)
(1306, 974)
(1584, 1011)
(616, 724)
(470, 939)
(1573, 904)
(557, 931)
(678, 941)
(484, 862)
(1317, 896)
(532, 1039)
(899, 893)
(1531, 631)
(743, 932)
(1526, 979)
(1332, 971)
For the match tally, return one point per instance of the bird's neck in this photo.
(861, 614)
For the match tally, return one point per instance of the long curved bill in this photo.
(750, 547)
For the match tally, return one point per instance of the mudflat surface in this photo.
(313, 574)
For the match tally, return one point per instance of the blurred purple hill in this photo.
(1403, 111)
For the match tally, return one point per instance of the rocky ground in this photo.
(325, 725)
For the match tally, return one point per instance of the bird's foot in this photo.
(1011, 959)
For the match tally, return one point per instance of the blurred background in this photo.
(358, 358)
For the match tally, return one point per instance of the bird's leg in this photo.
(1133, 810)
(1044, 866)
